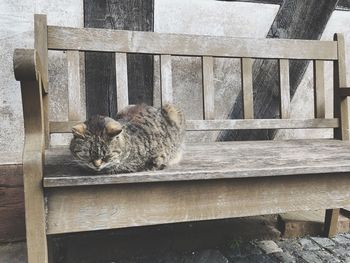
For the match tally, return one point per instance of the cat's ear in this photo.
(79, 130)
(113, 128)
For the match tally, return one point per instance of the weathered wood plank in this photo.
(40, 44)
(208, 88)
(74, 111)
(319, 89)
(88, 39)
(296, 19)
(343, 5)
(166, 80)
(33, 158)
(331, 222)
(105, 207)
(226, 160)
(247, 88)
(196, 125)
(12, 226)
(341, 104)
(284, 88)
(122, 80)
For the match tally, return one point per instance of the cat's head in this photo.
(91, 142)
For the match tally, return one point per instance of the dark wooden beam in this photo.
(297, 19)
(100, 67)
(12, 225)
(342, 4)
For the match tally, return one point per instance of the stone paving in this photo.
(301, 250)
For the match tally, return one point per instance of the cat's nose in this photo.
(97, 163)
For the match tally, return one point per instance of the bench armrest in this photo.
(27, 70)
(27, 66)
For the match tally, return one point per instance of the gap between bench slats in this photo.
(91, 39)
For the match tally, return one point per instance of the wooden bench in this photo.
(214, 180)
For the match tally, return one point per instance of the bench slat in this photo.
(247, 87)
(216, 160)
(203, 125)
(319, 89)
(104, 40)
(284, 88)
(116, 206)
(208, 88)
(166, 83)
(74, 112)
(121, 74)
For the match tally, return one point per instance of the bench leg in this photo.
(34, 209)
(331, 222)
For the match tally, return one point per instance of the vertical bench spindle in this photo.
(319, 89)
(166, 85)
(74, 112)
(247, 86)
(121, 75)
(284, 88)
(208, 87)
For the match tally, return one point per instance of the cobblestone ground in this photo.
(303, 250)
(307, 249)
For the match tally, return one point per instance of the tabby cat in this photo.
(141, 138)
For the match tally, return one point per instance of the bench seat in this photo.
(216, 160)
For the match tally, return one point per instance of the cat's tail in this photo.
(174, 115)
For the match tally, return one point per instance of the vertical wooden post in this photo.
(74, 103)
(121, 75)
(166, 82)
(284, 88)
(247, 87)
(208, 87)
(40, 44)
(319, 89)
(341, 111)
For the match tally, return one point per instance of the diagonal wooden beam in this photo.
(297, 19)
(343, 5)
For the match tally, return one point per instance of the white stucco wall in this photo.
(16, 31)
(208, 17)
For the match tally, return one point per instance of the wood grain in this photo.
(74, 98)
(204, 161)
(208, 88)
(100, 82)
(319, 89)
(121, 74)
(33, 159)
(296, 19)
(213, 125)
(284, 88)
(116, 206)
(166, 80)
(247, 88)
(88, 39)
(12, 226)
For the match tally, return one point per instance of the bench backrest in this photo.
(75, 40)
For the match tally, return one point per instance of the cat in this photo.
(141, 138)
